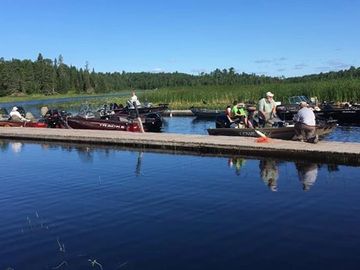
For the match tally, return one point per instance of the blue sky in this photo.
(270, 37)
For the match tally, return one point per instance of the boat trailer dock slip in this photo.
(323, 152)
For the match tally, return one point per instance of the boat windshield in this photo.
(298, 99)
(86, 111)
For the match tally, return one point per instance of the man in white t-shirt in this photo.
(305, 125)
(16, 116)
(134, 98)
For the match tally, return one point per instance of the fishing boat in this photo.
(5, 120)
(9, 123)
(344, 114)
(103, 120)
(142, 109)
(152, 122)
(80, 122)
(4, 114)
(284, 133)
(206, 113)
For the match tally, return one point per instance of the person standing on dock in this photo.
(305, 125)
(267, 109)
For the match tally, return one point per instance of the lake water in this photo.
(80, 207)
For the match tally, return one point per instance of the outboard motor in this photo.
(56, 119)
(222, 122)
(153, 122)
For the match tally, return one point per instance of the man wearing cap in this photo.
(266, 108)
(16, 116)
(305, 125)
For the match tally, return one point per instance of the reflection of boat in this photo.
(285, 133)
(79, 122)
(206, 113)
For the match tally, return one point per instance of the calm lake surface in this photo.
(85, 207)
(80, 207)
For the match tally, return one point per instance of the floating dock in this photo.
(322, 152)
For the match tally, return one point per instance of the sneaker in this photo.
(313, 139)
(316, 139)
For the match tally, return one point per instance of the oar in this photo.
(138, 118)
(262, 138)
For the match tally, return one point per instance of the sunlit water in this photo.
(65, 206)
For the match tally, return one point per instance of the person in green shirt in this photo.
(239, 111)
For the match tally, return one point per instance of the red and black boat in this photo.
(79, 122)
(5, 120)
(9, 123)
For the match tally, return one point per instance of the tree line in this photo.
(48, 77)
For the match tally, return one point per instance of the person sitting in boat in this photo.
(16, 116)
(305, 125)
(240, 113)
(267, 110)
(133, 99)
(228, 113)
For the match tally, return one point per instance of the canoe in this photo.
(284, 133)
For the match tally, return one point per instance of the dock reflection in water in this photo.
(78, 207)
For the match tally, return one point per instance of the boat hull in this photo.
(22, 124)
(284, 133)
(349, 115)
(206, 113)
(98, 124)
(142, 110)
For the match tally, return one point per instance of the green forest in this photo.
(49, 77)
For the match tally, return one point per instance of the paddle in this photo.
(138, 118)
(263, 138)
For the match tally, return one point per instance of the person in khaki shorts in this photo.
(305, 125)
(267, 110)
